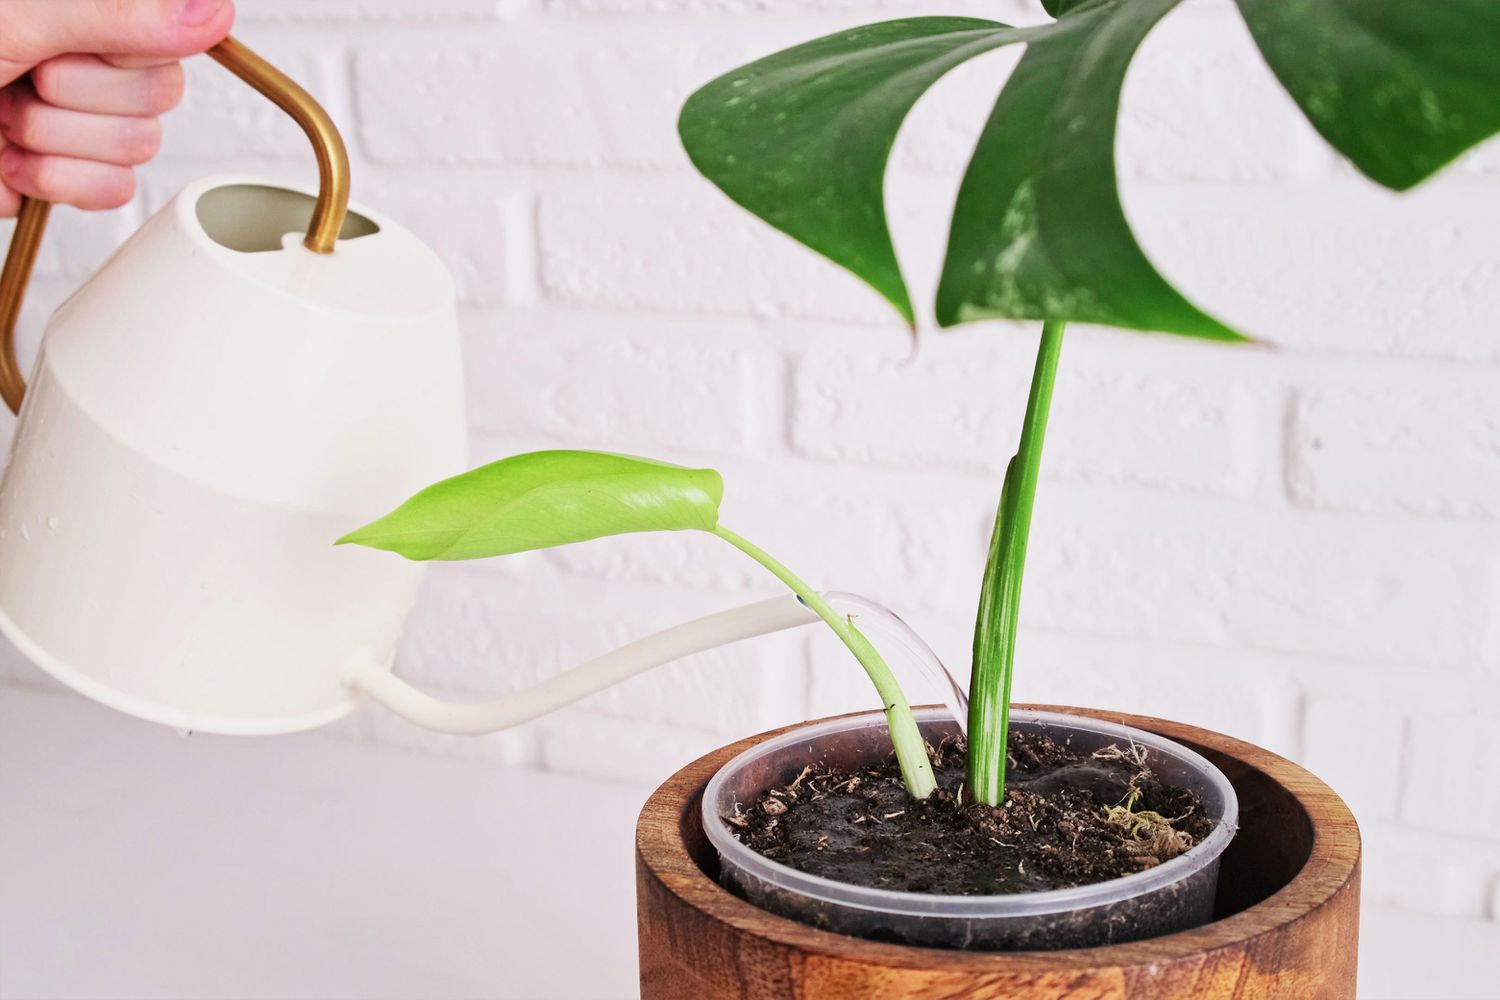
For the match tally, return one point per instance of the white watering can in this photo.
(208, 413)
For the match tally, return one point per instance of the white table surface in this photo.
(137, 864)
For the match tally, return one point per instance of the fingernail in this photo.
(195, 12)
(10, 160)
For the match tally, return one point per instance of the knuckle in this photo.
(118, 190)
(48, 180)
(142, 140)
(27, 125)
(119, 11)
(15, 126)
(50, 79)
(164, 86)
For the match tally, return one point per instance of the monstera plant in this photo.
(801, 139)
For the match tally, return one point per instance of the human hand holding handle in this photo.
(82, 86)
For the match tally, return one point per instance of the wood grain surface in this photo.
(1287, 911)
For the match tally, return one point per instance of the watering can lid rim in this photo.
(388, 272)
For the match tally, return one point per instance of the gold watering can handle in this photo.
(322, 232)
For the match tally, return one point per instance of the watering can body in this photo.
(207, 415)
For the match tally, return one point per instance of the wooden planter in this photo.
(1287, 911)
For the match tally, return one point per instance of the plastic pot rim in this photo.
(917, 904)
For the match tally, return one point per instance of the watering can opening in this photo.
(255, 218)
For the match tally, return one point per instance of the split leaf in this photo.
(1038, 230)
(801, 138)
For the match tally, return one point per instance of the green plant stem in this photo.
(1000, 593)
(911, 749)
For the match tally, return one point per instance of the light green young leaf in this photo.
(544, 499)
(801, 138)
(1038, 230)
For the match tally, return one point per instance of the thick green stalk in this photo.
(1000, 593)
(911, 749)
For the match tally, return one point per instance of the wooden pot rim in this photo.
(1333, 861)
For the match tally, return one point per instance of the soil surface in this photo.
(1069, 819)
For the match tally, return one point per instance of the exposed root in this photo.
(1151, 832)
(1136, 754)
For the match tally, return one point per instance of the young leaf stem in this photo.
(911, 749)
(1000, 593)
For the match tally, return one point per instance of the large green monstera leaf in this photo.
(801, 139)
(1399, 88)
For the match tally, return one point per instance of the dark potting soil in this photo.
(1069, 818)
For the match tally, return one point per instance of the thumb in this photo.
(33, 31)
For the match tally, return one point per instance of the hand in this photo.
(100, 74)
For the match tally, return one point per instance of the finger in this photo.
(87, 184)
(173, 28)
(38, 127)
(88, 83)
(136, 62)
(10, 199)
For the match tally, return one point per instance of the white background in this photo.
(1295, 544)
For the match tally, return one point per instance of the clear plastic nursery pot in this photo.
(1284, 919)
(1169, 897)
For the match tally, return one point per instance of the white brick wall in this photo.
(1298, 546)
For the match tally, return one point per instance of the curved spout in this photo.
(721, 629)
(906, 651)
